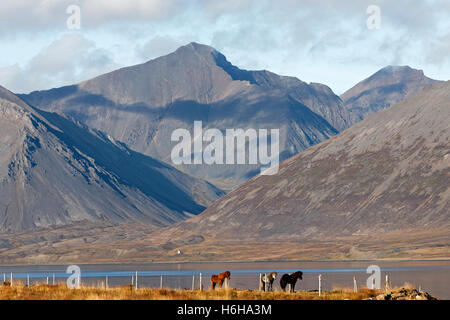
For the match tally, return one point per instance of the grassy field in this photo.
(135, 244)
(61, 292)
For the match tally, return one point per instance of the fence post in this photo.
(160, 283)
(320, 284)
(53, 279)
(132, 280)
(355, 285)
(387, 283)
(136, 280)
(47, 280)
(106, 282)
(11, 279)
(4, 277)
(201, 282)
(193, 279)
(260, 283)
(28, 280)
(265, 282)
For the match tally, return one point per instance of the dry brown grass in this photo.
(61, 292)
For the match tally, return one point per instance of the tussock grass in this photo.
(61, 292)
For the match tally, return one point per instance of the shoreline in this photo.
(231, 261)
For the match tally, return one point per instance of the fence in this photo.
(150, 279)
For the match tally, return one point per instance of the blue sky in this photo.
(322, 41)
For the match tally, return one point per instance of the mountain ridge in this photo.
(134, 103)
(55, 172)
(382, 89)
(388, 173)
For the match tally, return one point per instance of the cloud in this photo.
(439, 51)
(101, 11)
(12, 77)
(156, 47)
(316, 40)
(290, 36)
(31, 15)
(218, 8)
(69, 59)
(61, 54)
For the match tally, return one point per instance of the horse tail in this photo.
(283, 284)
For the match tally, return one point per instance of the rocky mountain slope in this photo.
(54, 172)
(378, 190)
(142, 105)
(384, 88)
(388, 174)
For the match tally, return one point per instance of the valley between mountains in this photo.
(86, 174)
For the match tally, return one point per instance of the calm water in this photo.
(432, 276)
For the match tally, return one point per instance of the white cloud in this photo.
(316, 40)
(32, 15)
(157, 46)
(69, 59)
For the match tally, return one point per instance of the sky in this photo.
(52, 43)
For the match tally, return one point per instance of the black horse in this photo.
(290, 279)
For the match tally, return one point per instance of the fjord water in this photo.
(431, 276)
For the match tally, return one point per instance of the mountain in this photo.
(384, 178)
(384, 88)
(143, 104)
(54, 172)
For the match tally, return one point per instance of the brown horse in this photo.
(219, 279)
(290, 279)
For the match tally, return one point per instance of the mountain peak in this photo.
(48, 163)
(203, 50)
(399, 70)
(5, 94)
(141, 105)
(200, 46)
(396, 68)
(322, 197)
(384, 88)
(12, 107)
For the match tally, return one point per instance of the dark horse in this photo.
(290, 279)
(219, 279)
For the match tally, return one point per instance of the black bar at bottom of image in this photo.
(209, 309)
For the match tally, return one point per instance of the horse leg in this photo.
(283, 284)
